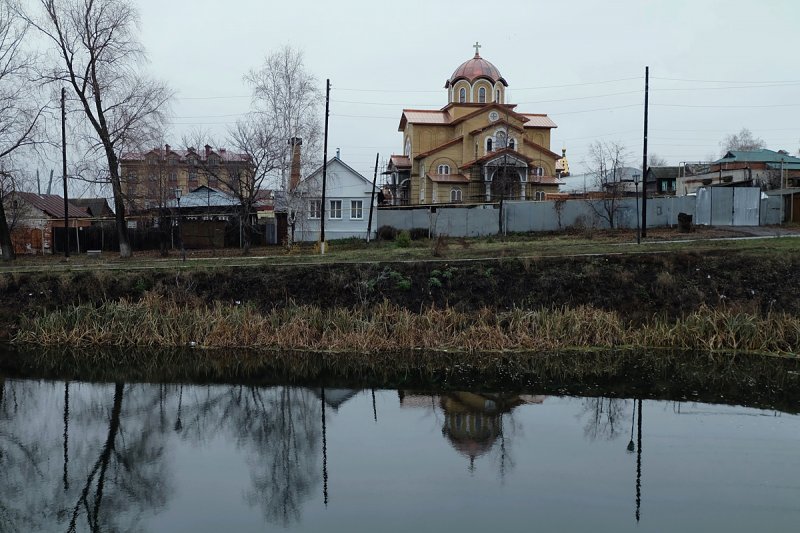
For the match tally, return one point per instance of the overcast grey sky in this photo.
(715, 66)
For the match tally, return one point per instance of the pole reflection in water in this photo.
(639, 464)
(324, 449)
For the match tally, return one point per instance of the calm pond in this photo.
(78, 456)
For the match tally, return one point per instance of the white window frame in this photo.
(489, 145)
(335, 212)
(456, 195)
(482, 95)
(462, 95)
(512, 143)
(539, 196)
(443, 169)
(537, 171)
(356, 209)
(314, 209)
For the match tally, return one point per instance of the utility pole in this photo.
(324, 169)
(644, 154)
(372, 197)
(64, 169)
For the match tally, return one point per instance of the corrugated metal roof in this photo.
(419, 116)
(538, 121)
(400, 161)
(51, 204)
(183, 155)
(756, 156)
(205, 197)
(448, 178)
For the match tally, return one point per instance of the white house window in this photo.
(356, 209)
(462, 95)
(314, 208)
(444, 169)
(455, 195)
(539, 196)
(482, 95)
(336, 210)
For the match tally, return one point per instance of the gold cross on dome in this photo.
(476, 45)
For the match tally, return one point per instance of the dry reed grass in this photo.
(157, 322)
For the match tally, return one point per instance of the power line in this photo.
(728, 106)
(726, 81)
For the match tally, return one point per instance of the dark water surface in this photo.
(140, 457)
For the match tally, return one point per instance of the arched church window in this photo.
(482, 95)
(407, 151)
(512, 144)
(497, 95)
(462, 95)
(539, 196)
(538, 171)
(500, 137)
(455, 195)
(489, 144)
(444, 169)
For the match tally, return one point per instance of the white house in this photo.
(347, 204)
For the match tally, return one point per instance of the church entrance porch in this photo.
(505, 178)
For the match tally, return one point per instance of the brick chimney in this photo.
(208, 150)
(294, 177)
(166, 148)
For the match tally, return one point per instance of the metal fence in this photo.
(742, 206)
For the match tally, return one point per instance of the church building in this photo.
(476, 149)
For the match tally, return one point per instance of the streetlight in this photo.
(638, 229)
(180, 229)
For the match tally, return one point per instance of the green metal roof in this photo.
(757, 156)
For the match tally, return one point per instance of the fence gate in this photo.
(728, 206)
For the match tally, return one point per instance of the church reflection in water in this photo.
(473, 422)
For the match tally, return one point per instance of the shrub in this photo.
(403, 239)
(386, 233)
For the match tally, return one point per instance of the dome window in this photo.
(462, 95)
(482, 95)
(444, 169)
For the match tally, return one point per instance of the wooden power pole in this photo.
(324, 169)
(644, 154)
(64, 169)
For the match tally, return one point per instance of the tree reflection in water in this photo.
(112, 474)
(278, 428)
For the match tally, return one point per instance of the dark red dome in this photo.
(476, 68)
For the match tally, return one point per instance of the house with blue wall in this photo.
(348, 196)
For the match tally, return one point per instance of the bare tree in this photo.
(606, 163)
(742, 141)
(655, 160)
(286, 99)
(286, 102)
(256, 139)
(99, 57)
(19, 111)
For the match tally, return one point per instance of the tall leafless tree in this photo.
(606, 163)
(20, 111)
(256, 139)
(287, 101)
(100, 57)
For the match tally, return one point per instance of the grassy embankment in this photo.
(156, 322)
(704, 296)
